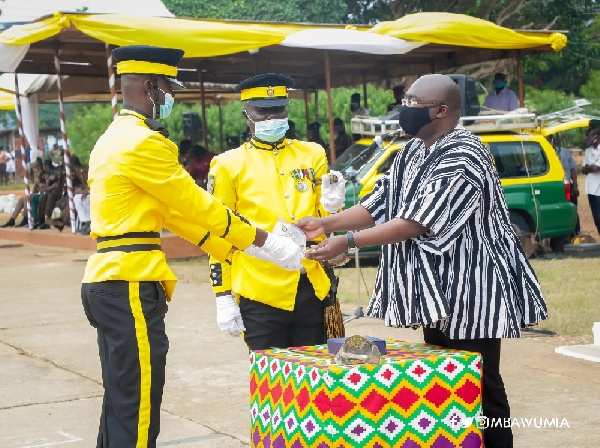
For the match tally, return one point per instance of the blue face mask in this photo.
(164, 109)
(271, 130)
(167, 108)
(500, 85)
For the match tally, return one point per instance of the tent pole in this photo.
(306, 114)
(111, 81)
(63, 131)
(23, 156)
(365, 102)
(203, 99)
(520, 76)
(220, 124)
(316, 105)
(328, 86)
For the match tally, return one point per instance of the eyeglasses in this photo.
(410, 102)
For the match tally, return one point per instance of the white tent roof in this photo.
(21, 11)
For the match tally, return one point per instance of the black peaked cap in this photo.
(267, 80)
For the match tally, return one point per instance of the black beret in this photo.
(274, 94)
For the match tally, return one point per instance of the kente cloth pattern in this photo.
(418, 396)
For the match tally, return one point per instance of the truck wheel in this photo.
(523, 232)
(557, 244)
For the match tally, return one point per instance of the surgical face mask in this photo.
(590, 140)
(164, 109)
(167, 108)
(500, 84)
(412, 119)
(270, 130)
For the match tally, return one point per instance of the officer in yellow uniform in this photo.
(267, 178)
(137, 187)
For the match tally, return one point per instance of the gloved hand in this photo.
(229, 318)
(279, 250)
(333, 193)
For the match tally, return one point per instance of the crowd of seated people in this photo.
(49, 200)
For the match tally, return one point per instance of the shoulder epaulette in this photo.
(156, 126)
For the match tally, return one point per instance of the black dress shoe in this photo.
(43, 226)
(9, 223)
(23, 223)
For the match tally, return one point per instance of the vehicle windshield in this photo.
(354, 157)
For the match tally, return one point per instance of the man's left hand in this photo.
(328, 249)
(333, 192)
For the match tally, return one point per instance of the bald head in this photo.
(439, 95)
(434, 88)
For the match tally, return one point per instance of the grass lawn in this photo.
(12, 187)
(571, 292)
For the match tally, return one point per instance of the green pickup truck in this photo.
(530, 172)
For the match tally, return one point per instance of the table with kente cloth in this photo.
(418, 396)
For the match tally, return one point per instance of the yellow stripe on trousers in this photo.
(141, 334)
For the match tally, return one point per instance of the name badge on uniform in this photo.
(210, 184)
(303, 176)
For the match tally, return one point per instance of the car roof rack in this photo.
(517, 120)
(479, 124)
(376, 125)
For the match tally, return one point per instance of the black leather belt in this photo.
(129, 242)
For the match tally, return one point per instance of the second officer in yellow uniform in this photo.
(267, 178)
(137, 187)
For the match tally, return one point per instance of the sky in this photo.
(29, 10)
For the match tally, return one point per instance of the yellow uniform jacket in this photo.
(137, 186)
(263, 183)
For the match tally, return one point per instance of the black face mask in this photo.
(412, 119)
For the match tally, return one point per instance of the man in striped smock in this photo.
(450, 261)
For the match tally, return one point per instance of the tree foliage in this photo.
(86, 126)
(315, 11)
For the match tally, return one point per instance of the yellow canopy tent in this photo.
(229, 51)
(226, 52)
(466, 31)
(7, 101)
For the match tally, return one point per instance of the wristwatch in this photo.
(352, 248)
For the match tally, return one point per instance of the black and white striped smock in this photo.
(467, 276)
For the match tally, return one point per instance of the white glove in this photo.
(333, 193)
(279, 250)
(229, 318)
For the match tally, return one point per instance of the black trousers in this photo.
(595, 206)
(133, 346)
(495, 403)
(268, 327)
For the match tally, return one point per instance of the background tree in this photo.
(86, 126)
(314, 11)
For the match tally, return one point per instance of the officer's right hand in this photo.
(229, 317)
(279, 250)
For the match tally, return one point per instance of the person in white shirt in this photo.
(591, 167)
(501, 98)
(11, 168)
(355, 108)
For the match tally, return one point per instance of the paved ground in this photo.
(50, 393)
